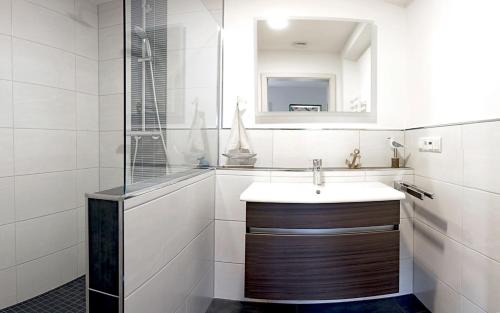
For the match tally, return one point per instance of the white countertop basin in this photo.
(327, 193)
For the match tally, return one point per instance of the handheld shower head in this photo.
(141, 33)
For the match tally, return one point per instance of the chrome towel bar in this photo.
(413, 190)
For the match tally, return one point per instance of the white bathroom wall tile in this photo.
(112, 149)
(7, 246)
(8, 284)
(405, 277)
(481, 280)
(111, 42)
(87, 181)
(65, 7)
(446, 166)
(169, 288)
(87, 112)
(181, 110)
(182, 308)
(82, 260)
(110, 77)
(5, 57)
(444, 212)
(35, 63)
(389, 180)
(200, 298)
(227, 199)
(40, 151)
(406, 239)
(333, 146)
(180, 147)
(261, 142)
(192, 68)
(36, 23)
(87, 152)
(230, 241)
(87, 40)
(5, 20)
(45, 235)
(110, 13)
(229, 281)
(38, 106)
(434, 294)
(185, 6)
(437, 254)
(87, 75)
(86, 12)
(110, 177)
(481, 217)
(469, 307)
(44, 194)
(47, 273)
(375, 149)
(6, 103)
(8, 211)
(196, 30)
(187, 217)
(7, 148)
(481, 156)
(80, 221)
(111, 112)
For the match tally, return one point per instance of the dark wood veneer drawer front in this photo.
(322, 215)
(321, 267)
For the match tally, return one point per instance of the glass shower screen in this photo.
(172, 92)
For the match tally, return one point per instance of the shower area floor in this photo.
(70, 298)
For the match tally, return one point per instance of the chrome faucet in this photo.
(317, 163)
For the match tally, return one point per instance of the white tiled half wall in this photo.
(49, 142)
(457, 238)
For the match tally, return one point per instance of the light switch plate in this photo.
(430, 144)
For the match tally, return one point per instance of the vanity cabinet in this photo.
(321, 251)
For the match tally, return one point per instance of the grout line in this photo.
(458, 185)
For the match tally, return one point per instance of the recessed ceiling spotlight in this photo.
(277, 23)
(299, 44)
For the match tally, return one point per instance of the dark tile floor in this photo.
(403, 304)
(70, 298)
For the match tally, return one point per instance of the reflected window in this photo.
(297, 94)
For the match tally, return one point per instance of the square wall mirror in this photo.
(316, 70)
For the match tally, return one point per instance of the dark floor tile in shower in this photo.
(69, 298)
(228, 306)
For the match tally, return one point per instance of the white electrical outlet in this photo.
(429, 144)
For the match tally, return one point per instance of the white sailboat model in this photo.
(238, 151)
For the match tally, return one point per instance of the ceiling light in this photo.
(277, 23)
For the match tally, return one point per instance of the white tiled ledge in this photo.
(306, 172)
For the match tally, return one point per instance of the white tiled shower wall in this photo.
(111, 93)
(49, 141)
(457, 238)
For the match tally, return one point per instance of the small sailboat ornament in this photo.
(238, 151)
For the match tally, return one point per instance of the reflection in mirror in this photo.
(321, 66)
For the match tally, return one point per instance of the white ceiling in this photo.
(320, 35)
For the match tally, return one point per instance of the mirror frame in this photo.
(263, 117)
